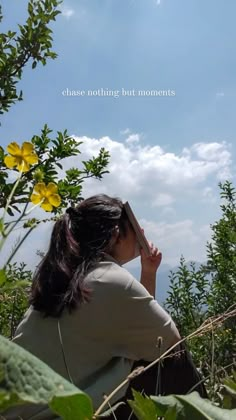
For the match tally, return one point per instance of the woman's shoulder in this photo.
(110, 274)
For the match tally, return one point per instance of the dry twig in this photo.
(208, 325)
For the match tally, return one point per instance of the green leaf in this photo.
(26, 379)
(192, 406)
(168, 404)
(230, 391)
(171, 413)
(143, 407)
(1, 225)
(15, 286)
(2, 276)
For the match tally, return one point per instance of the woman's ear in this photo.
(116, 234)
(115, 241)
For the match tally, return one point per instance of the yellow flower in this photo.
(46, 195)
(21, 157)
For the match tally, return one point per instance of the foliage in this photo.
(178, 407)
(196, 294)
(36, 167)
(221, 254)
(13, 297)
(229, 392)
(68, 188)
(26, 379)
(32, 175)
(51, 152)
(32, 43)
(187, 296)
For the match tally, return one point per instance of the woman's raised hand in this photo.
(151, 263)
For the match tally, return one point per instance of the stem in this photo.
(209, 376)
(212, 363)
(13, 315)
(11, 195)
(12, 221)
(18, 246)
(20, 217)
(5, 234)
(34, 207)
(17, 221)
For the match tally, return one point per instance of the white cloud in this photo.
(208, 195)
(167, 211)
(220, 94)
(217, 153)
(150, 173)
(213, 152)
(67, 12)
(126, 131)
(133, 138)
(157, 183)
(162, 200)
(178, 238)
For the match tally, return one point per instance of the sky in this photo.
(155, 85)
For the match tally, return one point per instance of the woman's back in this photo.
(103, 337)
(89, 318)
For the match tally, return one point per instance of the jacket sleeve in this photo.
(138, 321)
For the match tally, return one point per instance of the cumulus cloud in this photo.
(163, 199)
(212, 152)
(125, 131)
(149, 172)
(217, 153)
(208, 195)
(133, 138)
(178, 238)
(67, 12)
(156, 182)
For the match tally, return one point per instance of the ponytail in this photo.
(52, 288)
(78, 242)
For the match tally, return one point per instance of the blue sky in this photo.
(168, 152)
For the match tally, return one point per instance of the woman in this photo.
(89, 319)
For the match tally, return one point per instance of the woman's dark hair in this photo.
(79, 240)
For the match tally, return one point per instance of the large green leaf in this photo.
(2, 276)
(26, 379)
(143, 408)
(229, 392)
(191, 406)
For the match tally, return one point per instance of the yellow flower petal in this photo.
(46, 205)
(22, 166)
(35, 198)
(31, 159)
(27, 148)
(10, 161)
(55, 200)
(40, 188)
(51, 189)
(14, 149)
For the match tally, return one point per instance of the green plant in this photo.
(32, 43)
(26, 379)
(14, 297)
(180, 407)
(31, 176)
(196, 294)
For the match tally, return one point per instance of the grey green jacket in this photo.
(101, 339)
